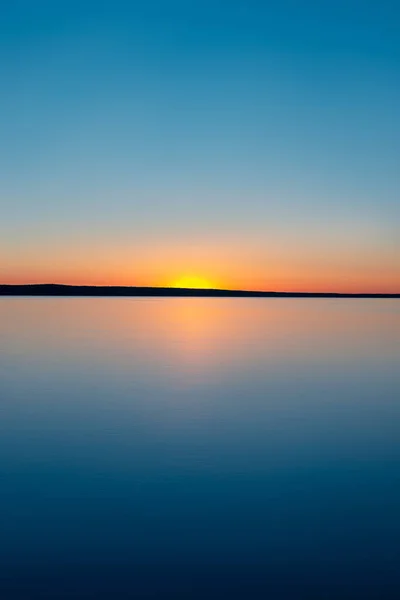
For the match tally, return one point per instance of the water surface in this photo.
(199, 448)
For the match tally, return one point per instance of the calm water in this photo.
(199, 448)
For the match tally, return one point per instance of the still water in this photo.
(199, 448)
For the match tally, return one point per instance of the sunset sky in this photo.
(234, 143)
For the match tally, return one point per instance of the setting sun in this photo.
(192, 281)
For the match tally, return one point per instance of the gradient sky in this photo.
(254, 144)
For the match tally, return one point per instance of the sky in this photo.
(238, 144)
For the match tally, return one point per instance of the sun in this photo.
(192, 281)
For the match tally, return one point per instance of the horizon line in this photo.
(6, 288)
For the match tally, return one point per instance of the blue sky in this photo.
(260, 140)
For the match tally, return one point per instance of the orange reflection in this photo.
(193, 340)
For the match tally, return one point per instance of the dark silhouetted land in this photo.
(85, 290)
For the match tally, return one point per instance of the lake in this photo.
(199, 448)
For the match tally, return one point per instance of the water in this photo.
(199, 448)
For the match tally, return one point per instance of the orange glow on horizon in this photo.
(280, 278)
(222, 263)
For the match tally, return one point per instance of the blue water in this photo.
(199, 448)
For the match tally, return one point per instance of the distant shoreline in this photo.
(134, 291)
